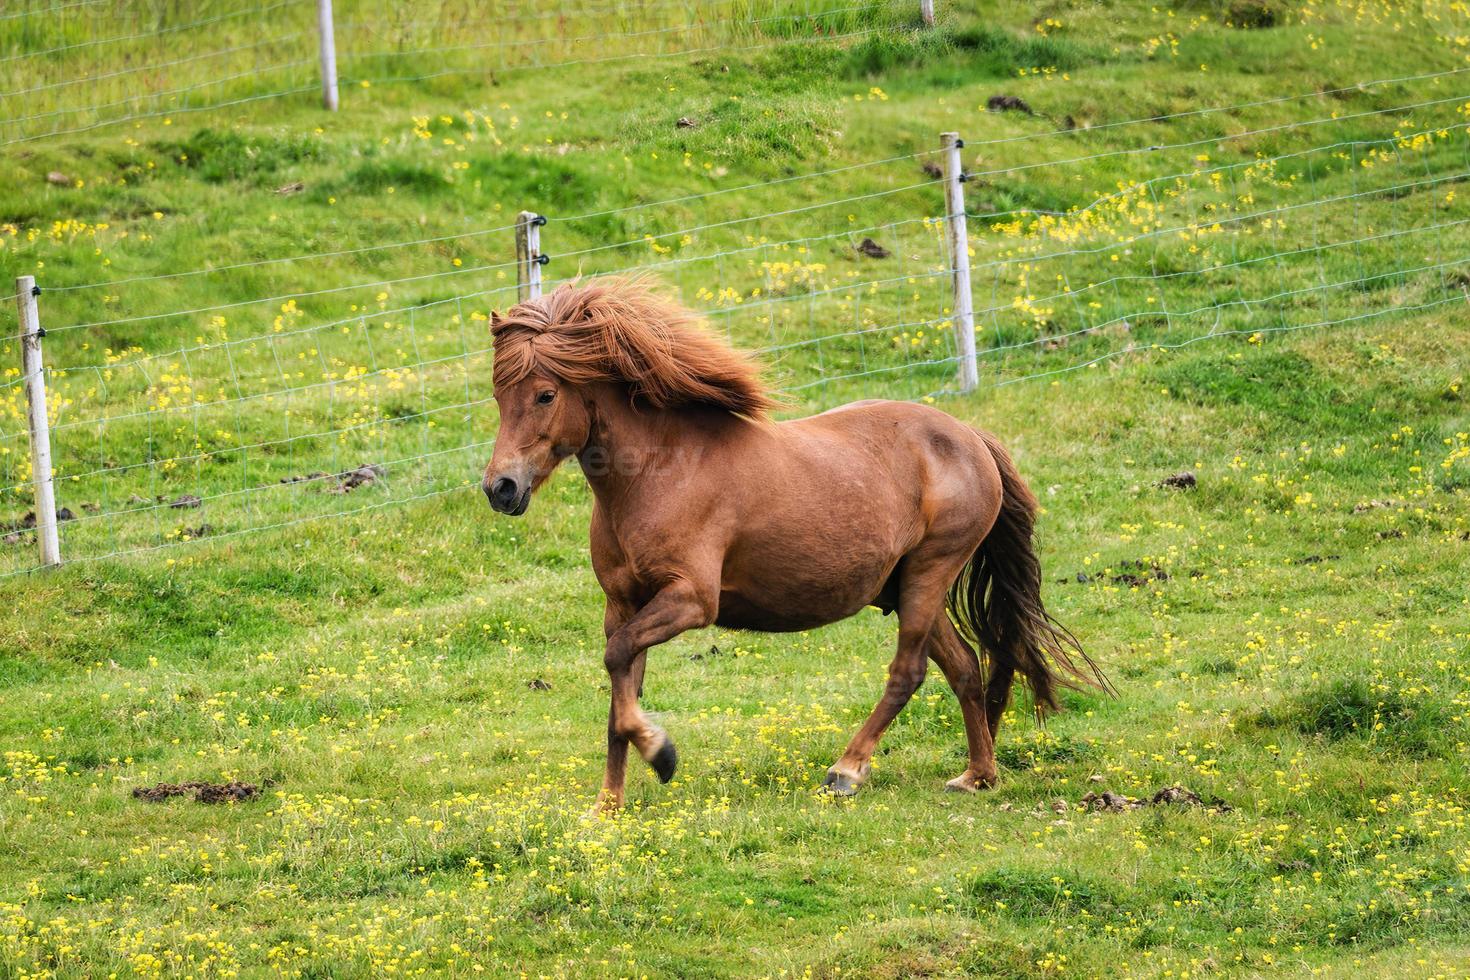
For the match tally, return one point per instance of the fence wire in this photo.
(281, 406)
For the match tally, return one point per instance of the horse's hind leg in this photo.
(962, 669)
(997, 696)
(924, 582)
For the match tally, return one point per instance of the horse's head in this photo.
(543, 421)
(552, 351)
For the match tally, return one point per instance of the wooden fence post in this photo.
(329, 54)
(926, 10)
(31, 333)
(529, 259)
(959, 252)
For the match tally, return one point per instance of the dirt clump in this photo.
(1135, 574)
(231, 792)
(1109, 802)
(364, 475)
(1008, 103)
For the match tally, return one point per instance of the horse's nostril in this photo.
(502, 492)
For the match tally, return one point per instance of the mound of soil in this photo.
(1008, 103)
(1109, 802)
(1180, 481)
(203, 792)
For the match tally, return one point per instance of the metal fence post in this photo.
(329, 54)
(926, 11)
(959, 251)
(31, 333)
(529, 259)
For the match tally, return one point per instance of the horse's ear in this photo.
(494, 319)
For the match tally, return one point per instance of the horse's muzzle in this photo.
(508, 497)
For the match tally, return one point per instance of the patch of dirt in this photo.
(1374, 505)
(1312, 559)
(1397, 532)
(1109, 802)
(1180, 481)
(711, 654)
(344, 482)
(364, 475)
(537, 684)
(1008, 103)
(686, 123)
(295, 187)
(14, 530)
(58, 178)
(1254, 15)
(1130, 573)
(187, 502)
(872, 249)
(234, 792)
(932, 169)
(1136, 573)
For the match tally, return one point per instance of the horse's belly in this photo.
(782, 593)
(740, 613)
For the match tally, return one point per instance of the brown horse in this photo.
(708, 513)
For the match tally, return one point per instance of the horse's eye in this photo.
(545, 398)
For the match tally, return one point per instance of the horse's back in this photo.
(903, 434)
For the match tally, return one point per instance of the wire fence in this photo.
(60, 76)
(277, 406)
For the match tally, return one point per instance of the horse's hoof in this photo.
(968, 782)
(606, 806)
(665, 760)
(840, 784)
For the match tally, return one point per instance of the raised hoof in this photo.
(665, 760)
(840, 784)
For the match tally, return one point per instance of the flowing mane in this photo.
(620, 330)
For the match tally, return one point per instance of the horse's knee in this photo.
(905, 678)
(617, 656)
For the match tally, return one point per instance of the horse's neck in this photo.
(635, 449)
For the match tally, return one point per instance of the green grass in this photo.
(1291, 637)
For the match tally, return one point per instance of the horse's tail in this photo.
(996, 600)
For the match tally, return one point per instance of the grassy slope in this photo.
(1305, 659)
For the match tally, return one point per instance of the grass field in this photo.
(1271, 297)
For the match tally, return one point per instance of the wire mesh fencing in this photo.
(277, 404)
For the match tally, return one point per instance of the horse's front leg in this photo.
(680, 606)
